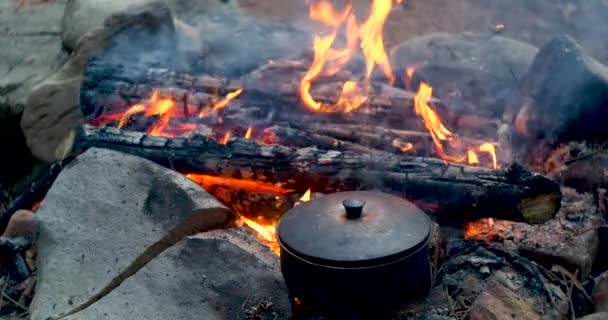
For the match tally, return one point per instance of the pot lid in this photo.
(354, 229)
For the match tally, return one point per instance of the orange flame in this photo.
(407, 147)
(472, 157)
(225, 139)
(328, 61)
(207, 181)
(306, 196)
(489, 148)
(266, 232)
(409, 75)
(248, 133)
(433, 124)
(224, 102)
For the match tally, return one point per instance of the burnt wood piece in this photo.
(110, 87)
(451, 192)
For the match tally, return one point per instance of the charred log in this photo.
(451, 192)
(272, 90)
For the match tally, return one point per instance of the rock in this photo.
(564, 98)
(596, 316)
(470, 71)
(21, 225)
(82, 16)
(569, 240)
(211, 278)
(600, 293)
(500, 303)
(105, 216)
(52, 113)
(31, 50)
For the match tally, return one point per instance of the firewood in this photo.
(449, 191)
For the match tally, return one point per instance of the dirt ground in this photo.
(532, 21)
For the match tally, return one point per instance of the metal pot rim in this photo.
(354, 265)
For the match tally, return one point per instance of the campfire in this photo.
(346, 125)
(339, 119)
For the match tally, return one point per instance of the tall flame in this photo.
(432, 122)
(327, 60)
(489, 148)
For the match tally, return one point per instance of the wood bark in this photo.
(451, 192)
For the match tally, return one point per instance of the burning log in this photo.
(272, 91)
(451, 192)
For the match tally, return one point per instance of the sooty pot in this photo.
(356, 255)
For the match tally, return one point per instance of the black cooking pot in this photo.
(356, 255)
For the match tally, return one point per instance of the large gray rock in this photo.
(82, 16)
(596, 316)
(566, 100)
(473, 72)
(31, 50)
(197, 279)
(101, 213)
(52, 113)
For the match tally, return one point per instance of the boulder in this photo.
(500, 303)
(105, 216)
(469, 71)
(82, 16)
(21, 225)
(52, 113)
(600, 293)
(31, 50)
(565, 100)
(596, 316)
(210, 278)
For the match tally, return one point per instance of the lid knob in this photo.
(354, 208)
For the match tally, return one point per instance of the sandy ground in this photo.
(533, 21)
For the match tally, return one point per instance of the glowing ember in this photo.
(306, 196)
(489, 148)
(266, 232)
(207, 181)
(327, 60)
(407, 147)
(226, 138)
(248, 133)
(409, 75)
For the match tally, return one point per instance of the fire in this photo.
(433, 124)
(225, 139)
(166, 109)
(407, 147)
(328, 60)
(207, 181)
(472, 157)
(489, 148)
(409, 75)
(266, 232)
(306, 196)
(248, 133)
(224, 102)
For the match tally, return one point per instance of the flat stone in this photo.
(101, 213)
(31, 50)
(211, 278)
